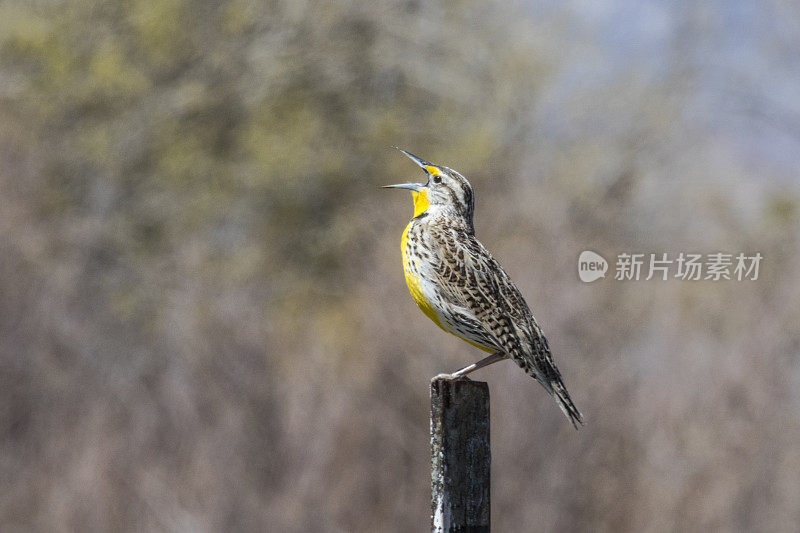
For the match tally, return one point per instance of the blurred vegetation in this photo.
(203, 323)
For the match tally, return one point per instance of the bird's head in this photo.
(446, 191)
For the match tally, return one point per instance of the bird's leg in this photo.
(495, 357)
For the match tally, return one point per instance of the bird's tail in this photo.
(559, 392)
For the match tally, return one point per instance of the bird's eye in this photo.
(437, 179)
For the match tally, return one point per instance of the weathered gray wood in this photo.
(460, 456)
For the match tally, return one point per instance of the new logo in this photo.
(591, 266)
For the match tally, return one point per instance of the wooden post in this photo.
(460, 456)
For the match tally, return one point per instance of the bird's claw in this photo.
(452, 377)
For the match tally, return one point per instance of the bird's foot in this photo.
(451, 377)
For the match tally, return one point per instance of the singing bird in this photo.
(459, 285)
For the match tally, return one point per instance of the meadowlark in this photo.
(459, 285)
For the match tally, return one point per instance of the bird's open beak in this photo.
(411, 186)
(429, 168)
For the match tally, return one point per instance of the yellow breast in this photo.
(414, 282)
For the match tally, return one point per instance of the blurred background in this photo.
(203, 320)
